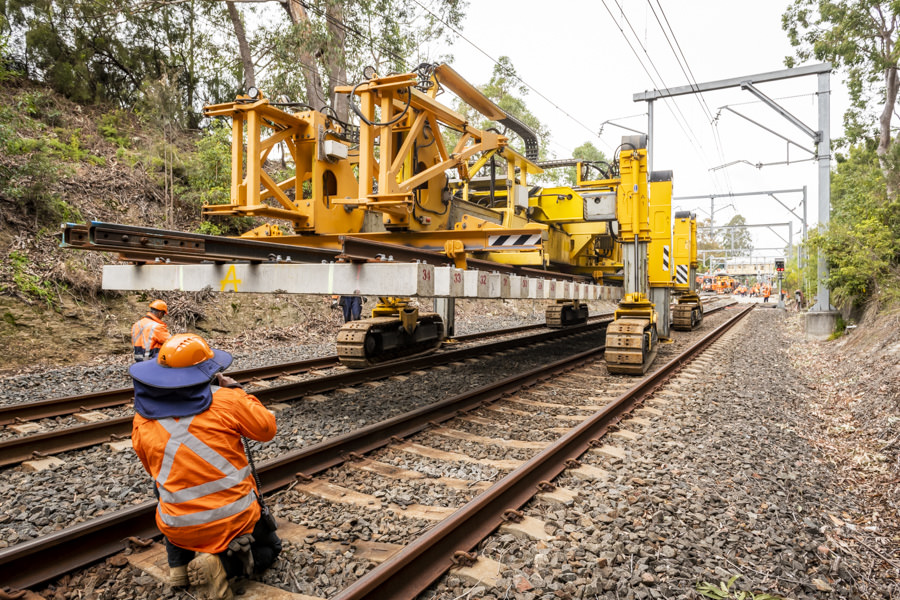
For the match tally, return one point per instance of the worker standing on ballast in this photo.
(188, 434)
(351, 307)
(149, 333)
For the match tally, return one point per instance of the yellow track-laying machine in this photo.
(389, 183)
(687, 314)
(418, 176)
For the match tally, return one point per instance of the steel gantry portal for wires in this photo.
(822, 317)
(772, 194)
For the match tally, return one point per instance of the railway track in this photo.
(102, 429)
(58, 407)
(42, 559)
(39, 445)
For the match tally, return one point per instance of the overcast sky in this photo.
(574, 55)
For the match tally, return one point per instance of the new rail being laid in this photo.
(412, 569)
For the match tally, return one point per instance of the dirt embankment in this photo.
(857, 425)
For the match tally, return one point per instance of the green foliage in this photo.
(207, 179)
(28, 180)
(30, 185)
(29, 283)
(858, 36)
(40, 106)
(739, 239)
(862, 242)
(727, 591)
(587, 152)
(209, 169)
(94, 51)
(796, 278)
(508, 92)
(7, 70)
(112, 127)
(209, 228)
(840, 328)
(342, 38)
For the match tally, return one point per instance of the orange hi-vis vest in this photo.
(207, 495)
(147, 336)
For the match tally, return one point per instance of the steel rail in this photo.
(58, 407)
(17, 450)
(411, 570)
(146, 244)
(43, 559)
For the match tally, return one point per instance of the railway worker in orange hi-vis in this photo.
(188, 432)
(149, 333)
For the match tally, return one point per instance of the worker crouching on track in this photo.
(149, 333)
(188, 434)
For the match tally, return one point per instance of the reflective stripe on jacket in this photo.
(207, 495)
(148, 335)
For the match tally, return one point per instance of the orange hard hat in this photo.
(160, 305)
(184, 350)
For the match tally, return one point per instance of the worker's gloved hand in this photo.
(226, 381)
(240, 547)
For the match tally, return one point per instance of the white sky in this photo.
(572, 52)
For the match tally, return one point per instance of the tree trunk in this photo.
(241, 35)
(884, 140)
(315, 96)
(335, 65)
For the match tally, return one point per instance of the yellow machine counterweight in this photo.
(631, 339)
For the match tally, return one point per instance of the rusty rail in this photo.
(42, 559)
(410, 571)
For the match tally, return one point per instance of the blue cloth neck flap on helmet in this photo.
(161, 403)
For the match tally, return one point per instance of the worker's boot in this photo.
(178, 576)
(207, 571)
(239, 548)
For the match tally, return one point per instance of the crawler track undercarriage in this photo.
(687, 314)
(565, 314)
(395, 330)
(632, 340)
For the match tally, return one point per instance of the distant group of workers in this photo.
(759, 290)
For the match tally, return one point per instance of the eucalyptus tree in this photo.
(323, 44)
(859, 36)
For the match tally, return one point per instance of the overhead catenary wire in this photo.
(685, 127)
(685, 67)
(525, 83)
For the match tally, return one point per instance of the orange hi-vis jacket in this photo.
(147, 336)
(207, 495)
